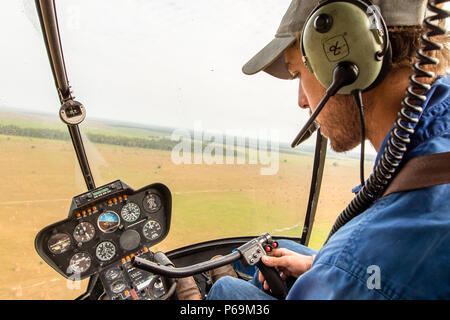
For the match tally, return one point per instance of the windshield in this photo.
(166, 102)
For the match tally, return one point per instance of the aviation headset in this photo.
(349, 33)
(345, 44)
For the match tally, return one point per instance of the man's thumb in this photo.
(268, 261)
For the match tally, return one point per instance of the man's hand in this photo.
(289, 263)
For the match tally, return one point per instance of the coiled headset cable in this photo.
(404, 127)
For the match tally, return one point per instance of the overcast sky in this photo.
(153, 62)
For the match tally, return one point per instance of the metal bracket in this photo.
(72, 112)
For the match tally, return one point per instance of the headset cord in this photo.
(357, 94)
(404, 127)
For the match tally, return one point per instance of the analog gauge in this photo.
(105, 251)
(152, 230)
(80, 262)
(118, 286)
(108, 221)
(152, 202)
(130, 212)
(59, 243)
(84, 232)
(112, 274)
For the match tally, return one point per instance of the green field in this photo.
(40, 176)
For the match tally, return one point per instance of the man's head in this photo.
(344, 130)
(339, 120)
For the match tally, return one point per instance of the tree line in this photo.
(55, 134)
(135, 142)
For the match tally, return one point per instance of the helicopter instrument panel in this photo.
(106, 227)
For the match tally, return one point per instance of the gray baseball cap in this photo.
(271, 58)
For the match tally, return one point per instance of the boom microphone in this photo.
(344, 74)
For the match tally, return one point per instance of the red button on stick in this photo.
(268, 249)
(275, 244)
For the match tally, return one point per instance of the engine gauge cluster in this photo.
(105, 227)
(122, 281)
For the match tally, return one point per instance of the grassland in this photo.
(40, 176)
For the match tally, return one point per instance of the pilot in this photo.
(399, 248)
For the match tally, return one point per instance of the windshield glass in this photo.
(166, 102)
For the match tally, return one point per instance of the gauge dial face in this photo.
(108, 221)
(80, 262)
(112, 274)
(105, 251)
(84, 232)
(151, 202)
(130, 212)
(118, 286)
(59, 243)
(152, 230)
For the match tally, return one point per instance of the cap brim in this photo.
(271, 59)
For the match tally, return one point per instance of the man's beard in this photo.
(340, 122)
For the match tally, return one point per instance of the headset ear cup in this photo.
(350, 26)
(385, 68)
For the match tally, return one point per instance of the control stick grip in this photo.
(276, 285)
(162, 259)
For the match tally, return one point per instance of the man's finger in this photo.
(261, 277)
(280, 252)
(283, 261)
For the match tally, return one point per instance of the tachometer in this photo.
(84, 232)
(80, 262)
(59, 243)
(151, 202)
(108, 221)
(130, 212)
(105, 251)
(152, 230)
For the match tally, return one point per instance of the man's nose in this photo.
(302, 100)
